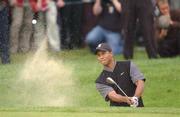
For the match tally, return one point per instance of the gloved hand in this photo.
(134, 101)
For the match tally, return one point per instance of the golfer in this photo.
(125, 74)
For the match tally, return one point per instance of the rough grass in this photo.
(161, 96)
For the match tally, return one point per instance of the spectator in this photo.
(168, 30)
(39, 33)
(109, 26)
(143, 11)
(125, 74)
(52, 26)
(89, 20)
(4, 31)
(70, 14)
(46, 26)
(21, 27)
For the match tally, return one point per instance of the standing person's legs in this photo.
(39, 33)
(146, 18)
(26, 31)
(178, 41)
(130, 33)
(52, 27)
(4, 35)
(95, 37)
(75, 30)
(65, 24)
(114, 39)
(17, 18)
(59, 24)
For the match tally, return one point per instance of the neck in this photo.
(111, 64)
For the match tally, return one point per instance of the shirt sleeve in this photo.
(135, 73)
(104, 90)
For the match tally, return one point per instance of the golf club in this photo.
(111, 81)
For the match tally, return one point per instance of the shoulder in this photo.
(124, 62)
(133, 66)
(100, 77)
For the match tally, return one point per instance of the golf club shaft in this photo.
(111, 81)
(121, 89)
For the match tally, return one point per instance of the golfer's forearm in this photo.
(116, 97)
(140, 88)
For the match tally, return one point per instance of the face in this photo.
(164, 9)
(105, 57)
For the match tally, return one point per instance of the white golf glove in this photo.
(135, 101)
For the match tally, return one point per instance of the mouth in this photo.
(103, 61)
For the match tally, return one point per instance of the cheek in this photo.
(99, 59)
(109, 57)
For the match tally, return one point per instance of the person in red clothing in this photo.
(32, 3)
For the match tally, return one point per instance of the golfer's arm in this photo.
(140, 88)
(113, 96)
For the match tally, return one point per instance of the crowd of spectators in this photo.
(72, 24)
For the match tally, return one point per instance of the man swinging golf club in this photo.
(120, 82)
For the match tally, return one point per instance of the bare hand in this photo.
(117, 5)
(128, 100)
(163, 33)
(60, 3)
(171, 22)
(13, 2)
(97, 9)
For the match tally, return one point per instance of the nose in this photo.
(101, 57)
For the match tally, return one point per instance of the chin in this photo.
(104, 63)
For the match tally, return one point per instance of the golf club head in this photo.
(110, 80)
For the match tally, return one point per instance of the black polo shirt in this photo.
(125, 74)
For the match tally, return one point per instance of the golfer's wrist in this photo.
(124, 99)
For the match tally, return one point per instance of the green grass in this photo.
(161, 96)
(89, 112)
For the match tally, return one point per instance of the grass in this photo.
(161, 96)
(89, 112)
